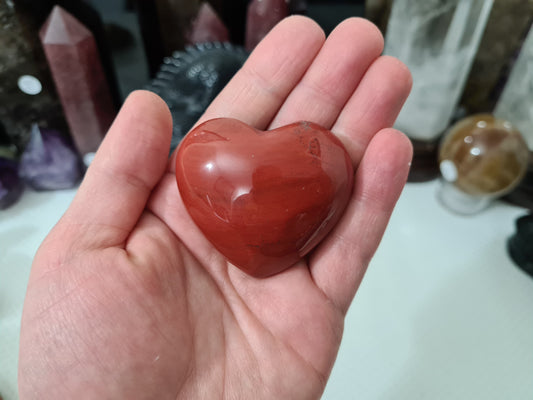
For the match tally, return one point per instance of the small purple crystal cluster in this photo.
(49, 162)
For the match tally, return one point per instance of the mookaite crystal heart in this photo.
(264, 199)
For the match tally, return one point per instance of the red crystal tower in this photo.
(262, 16)
(79, 78)
(207, 27)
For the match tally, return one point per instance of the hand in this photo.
(126, 298)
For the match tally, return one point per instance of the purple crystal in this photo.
(11, 187)
(49, 161)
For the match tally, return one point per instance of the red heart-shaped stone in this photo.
(264, 199)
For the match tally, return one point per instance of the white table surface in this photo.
(442, 313)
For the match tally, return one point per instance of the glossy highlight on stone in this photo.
(264, 199)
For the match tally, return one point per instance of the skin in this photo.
(126, 298)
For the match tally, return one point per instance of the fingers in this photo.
(128, 164)
(374, 105)
(276, 65)
(356, 93)
(357, 109)
(334, 75)
(348, 88)
(339, 263)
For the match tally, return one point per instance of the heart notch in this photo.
(264, 199)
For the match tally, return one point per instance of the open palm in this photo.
(127, 299)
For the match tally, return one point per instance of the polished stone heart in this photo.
(264, 199)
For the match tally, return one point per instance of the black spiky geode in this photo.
(190, 79)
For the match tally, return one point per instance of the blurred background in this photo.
(462, 55)
(446, 310)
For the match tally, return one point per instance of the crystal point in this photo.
(49, 161)
(207, 27)
(62, 28)
(79, 78)
(437, 40)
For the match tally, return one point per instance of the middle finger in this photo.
(333, 76)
